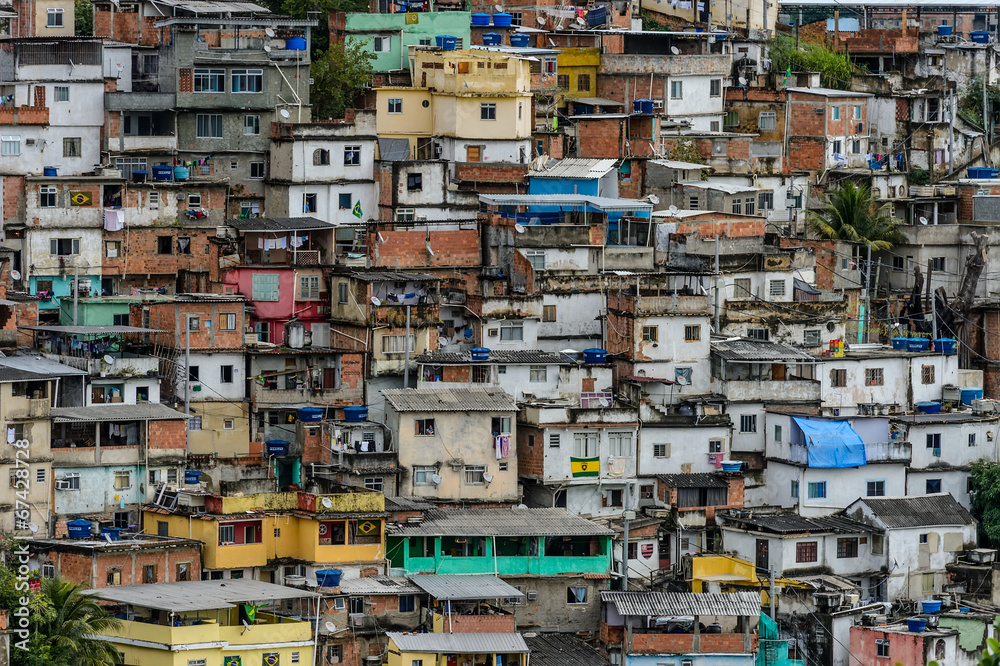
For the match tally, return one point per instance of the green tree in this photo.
(64, 621)
(83, 11)
(835, 68)
(852, 214)
(339, 76)
(985, 494)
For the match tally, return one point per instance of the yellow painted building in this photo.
(459, 649)
(578, 73)
(254, 530)
(224, 623)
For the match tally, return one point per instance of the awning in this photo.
(805, 287)
(832, 444)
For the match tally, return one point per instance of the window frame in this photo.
(487, 111)
(806, 551)
(247, 77)
(209, 122)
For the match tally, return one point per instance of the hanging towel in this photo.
(616, 467)
(10, 435)
(114, 220)
(505, 446)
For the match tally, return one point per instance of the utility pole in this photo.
(625, 516)
(187, 376)
(406, 351)
(951, 131)
(986, 118)
(863, 334)
(770, 593)
(76, 288)
(717, 279)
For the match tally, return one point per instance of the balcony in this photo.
(791, 390)
(124, 364)
(663, 643)
(166, 143)
(625, 258)
(888, 452)
(261, 395)
(498, 622)
(268, 629)
(673, 303)
(24, 115)
(24, 409)
(139, 101)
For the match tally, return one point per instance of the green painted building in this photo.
(500, 541)
(389, 35)
(107, 311)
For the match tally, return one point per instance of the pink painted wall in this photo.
(904, 648)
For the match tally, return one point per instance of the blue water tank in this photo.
(970, 394)
(277, 447)
(113, 533)
(917, 344)
(295, 44)
(945, 345)
(311, 414)
(597, 16)
(447, 42)
(480, 19)
(181, 173)
(594, 356)
(50, 172)
(900, 343)
(192, 476)
(492, 39)
(928, 407)
(163, 172)
(328, 577)
(502, 20)
(642, 106)
(520, 39)
(355, 414)
(79, 529)
(944, 30)
(980, 36)
(479, 354)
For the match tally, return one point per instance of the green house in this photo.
(389, 35)
(103, 311)
(500, 541)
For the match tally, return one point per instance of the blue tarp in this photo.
(832, 443)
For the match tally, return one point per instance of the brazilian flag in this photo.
(248, 613)
(357, 210)
(585, 466)
(232, 661)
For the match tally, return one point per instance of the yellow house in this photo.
(224, 623)
(252, 532)
(578, 72)
(460, 649)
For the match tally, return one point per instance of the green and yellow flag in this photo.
(585, 466)
(357, 210)
(79, 198)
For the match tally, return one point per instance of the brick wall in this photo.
(13, 199)
(530, 458)
(600, 138)
(405, 248)
(140, 251)
(455, 373)
(92, 569)
(169, 317)
(25, 115)
(473, 624)
(186, 80)
(611, 635)
(685, 643)
(806, 152)
(491, 172)
(168, 435)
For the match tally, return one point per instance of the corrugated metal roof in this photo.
(829, 92)
(207, 7)
(792, 523)
(460, 587)
(683, 603)
(938, 509)
(379, 585)
(459, 643)
(606, 204)
(194, 595)
(594, 101)
(726, 188)
(500, 522)
(755, 351)
(505, 356)
(27, 368)
(477, 399)
(675, 164)
(149, 411)
(576, 167)
(693, 481)
(390, 276)
(91, 330)
(563, 650)
(278, 224)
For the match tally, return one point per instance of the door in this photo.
(762, 559)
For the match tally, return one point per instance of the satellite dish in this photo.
(327, 503)
(653, 199)
(672, 209)
(682, 380)
(269, 32)
(109, 359)
(376, 301)
(923, 220)
(487, 477)
(604, 402)
(540, 19)
(499, 8)
(580, 21)
(16, 274)
(436, 479)
(284, 114)
(675, 50)
(267, 48)
(519, 228)
(330, 626)
(742, 81)
(34, 528)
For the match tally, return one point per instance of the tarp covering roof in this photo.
(461, 587)
(832, 444)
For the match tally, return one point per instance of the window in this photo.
(536, 258)
(194, 423)
(585, 445)
(927, 374)
(806, 551)
(48, 570)
(693, 202)
(857, 112)
(922, 538)
(835, 113)
(583, 82)
(309, 287)
(837, 147)
(149, 574)
(741, 287)
(932, 486)
(376, 483)
(407, 603)
(972, 439)
(414, 182)
(405, 215)
(393, 344)
(321, 157)
(256, 169)
(228, 424)
(676, 90)
(227, 321)
(538, 373)
(251, 125)
(748, 423)
(777, 433)
(248, 80)
(395, 105)
(424, 427)
(650, 333)
(759, 334)
(847, 547)
(927, 582)
(576, 594)
(620, 444)
(873, 377)
(793, 490)
(749, 205)
(309, 202)
(562, 81)
(737, 206)
(61, 93)
(475, 475)
(488, 111)
(226, 374)
(934, 441)
(937, 263)
(881, 647)
(548, 313)
(115, 578)
(342, 292)
(10, 145)
(209, 80)
(335, 653)
(898, 263)
(715, 88)
(661, 450)
(817, 490)
(227, 534)
(767, 121)
(777, 287)
(554, 441)
(352, 155)
(264, 287)
(382, 44)
(765, 201)
(184, 245)
(209, 126)
(53, 18)
(512, 330)
(838, 378)
(692, 333)
(876, 489)
(123, 479)
(40, 475)
(194, 373)
(47, 196)
(424, 475)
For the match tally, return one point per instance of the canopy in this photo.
(832, 444)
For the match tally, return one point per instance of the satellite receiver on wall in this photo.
(327, 503)
(436, 479)
(923, 220)
(267, 48)
(269, 32)
(109, 359)
(284, 114)
(673, 210)
(675, 50)
(487, 477)
(376, 301)
(15, 274)
(742, 81)
(330, 626)
(653, 199)
(540, 20)
(519, 228)
(499, 8)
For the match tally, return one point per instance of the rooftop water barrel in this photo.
(447, 42)
(916, 624)
(328, 577)
(311, 414)
(355, 414)
(970, 394)
(139, 176)
(930, 606)
(944, 30)
(982, 172)
(479, 354)
(181, 173)
(642, 106)
(502, 20)
(732, 466)
(520, 39)
(917, 344)
(900, 343)
(163, 172)
(480, 20)
(945, 345)
(980, 36)
(594, 356)
(295, 44)
(50, 172)
(113, 533)
(192, 476)
(928, 407)
(277, 447)
(79, 529)
(492, 38)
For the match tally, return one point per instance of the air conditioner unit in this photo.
(532, 595)
(62, 484)
(820, 109)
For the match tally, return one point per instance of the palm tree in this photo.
(851, 214)
(68, 621)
